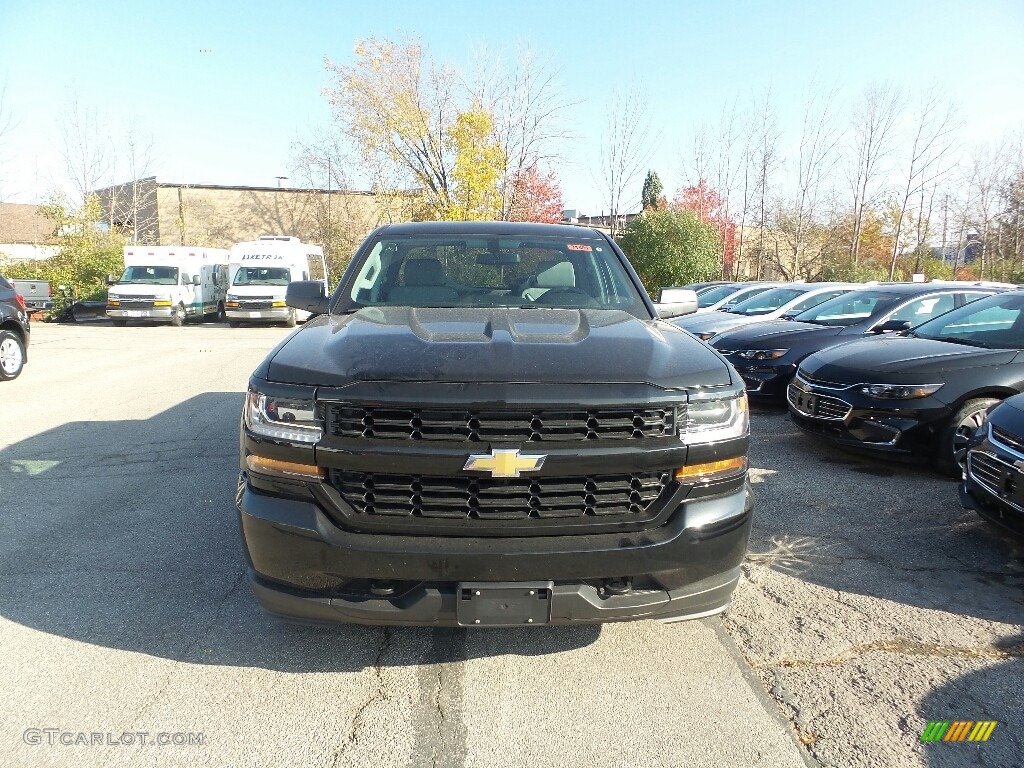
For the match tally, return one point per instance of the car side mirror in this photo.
(684, 302)
(196, 280)
(307, 295)
(111, 280)
(890, 326)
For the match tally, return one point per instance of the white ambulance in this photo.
(260, 272)
(169, 283)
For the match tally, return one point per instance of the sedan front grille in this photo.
(505, 425)
(817, 406)
(986, 469)
(482, 499)
(1007, 439)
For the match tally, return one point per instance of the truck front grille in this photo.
(488, 499)
(136, 304)
(505, 425)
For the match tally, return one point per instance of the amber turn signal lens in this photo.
(279, 467)
(713, 470)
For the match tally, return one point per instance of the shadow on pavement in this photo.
(124, 534)
(992, 693)
(876, 527)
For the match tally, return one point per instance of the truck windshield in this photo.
(261, 276)
(153, 275)
(475, 271)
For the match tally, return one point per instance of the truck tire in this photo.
(220, 312)
(12, 355)
(290, 322)
(119, 322)
(179, 316)
(952, 451)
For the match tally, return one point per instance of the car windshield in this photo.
(849, 308)
(716, 294)
(480, 271)
(152, 275)
(261, 276)
(768, 301)
(996, 322)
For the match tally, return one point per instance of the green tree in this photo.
(671, 247)
(86, 253)
(651, 197)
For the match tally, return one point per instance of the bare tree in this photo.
(873, 121)
(625, 149)
(131, 205)
(6, 127)
(765, 160)
(529, 110)
(88, 159)
(934, 133)
(815, 162)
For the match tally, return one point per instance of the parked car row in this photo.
(927, 371)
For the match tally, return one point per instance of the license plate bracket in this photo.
(503, 604)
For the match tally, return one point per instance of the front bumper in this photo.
(851, 419)
(303, 566)
(277, 314)
(765, 380)
(159, 314)
(993, 484)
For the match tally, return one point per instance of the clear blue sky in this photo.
(230, 116)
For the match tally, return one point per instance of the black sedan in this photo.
(919, 393)
(994, 476)
(767, 354)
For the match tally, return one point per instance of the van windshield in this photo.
(151, 275)
(261, 276)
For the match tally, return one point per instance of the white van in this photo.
(260, 272)
(169, 283)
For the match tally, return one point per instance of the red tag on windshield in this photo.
(578, 247)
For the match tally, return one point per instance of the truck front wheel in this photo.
(178, 318)
(290, 322)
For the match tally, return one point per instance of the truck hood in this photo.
(572, 346)
(899, 359)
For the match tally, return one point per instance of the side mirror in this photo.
(684, 302)
(111, 280)
(892, 325)
(197, 280)
(673, 295)
(308, 295)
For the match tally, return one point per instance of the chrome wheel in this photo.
(964, 432)
(12, 356)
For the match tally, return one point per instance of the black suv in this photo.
(767, 354)
(14, 331)
(488, 425)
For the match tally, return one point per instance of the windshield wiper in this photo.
(954, 340)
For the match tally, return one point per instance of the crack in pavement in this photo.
(379, 693)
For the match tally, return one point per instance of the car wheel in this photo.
(119, 322)
(12, 356)
(178, 318)
(290, 322)
(958, 431)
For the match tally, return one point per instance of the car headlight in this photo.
(898, 391)
(281, 418)
(113, 297)
(709, 421)
(760, 354)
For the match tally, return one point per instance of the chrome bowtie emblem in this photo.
(504, 463)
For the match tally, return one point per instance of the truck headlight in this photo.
(898, 391)
(710, 421)
(113, 297)
(231, 297)
(281, 418)
(760, 354)
(162, 297)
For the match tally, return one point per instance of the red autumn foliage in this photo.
(704, 201)
(536, 196)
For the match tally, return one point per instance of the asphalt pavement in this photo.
(125, 619)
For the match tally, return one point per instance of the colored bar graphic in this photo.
(958, 730)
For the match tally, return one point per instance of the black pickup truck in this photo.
(487, 424)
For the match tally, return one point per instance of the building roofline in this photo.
(244, 188)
